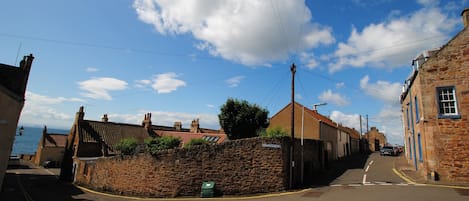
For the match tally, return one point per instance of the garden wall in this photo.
(246, 166)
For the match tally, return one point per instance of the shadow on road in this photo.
(339, 167)
(38, 187)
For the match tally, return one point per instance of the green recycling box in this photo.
(208, 188)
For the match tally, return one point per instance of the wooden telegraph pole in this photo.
(292, 160)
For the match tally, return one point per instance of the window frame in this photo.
(441, 114)
(419, 138)
(417, 115)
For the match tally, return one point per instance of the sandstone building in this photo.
(435, 107)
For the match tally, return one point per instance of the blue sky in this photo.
(181, 60)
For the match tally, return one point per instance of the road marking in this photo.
(371, 162)
(367, 168)
(369, 184)
(402, 176)
(364, 179)
(354, 185)
(23, 190)
(336, 185)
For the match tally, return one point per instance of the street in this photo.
(374, 180)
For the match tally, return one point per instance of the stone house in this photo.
(51, 148)
(375, 139)
(13, 81)
(93, 139)
(309, 124)
(435, 108)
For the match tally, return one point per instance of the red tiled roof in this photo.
(186, 137)
(318, 116)
(55, 140)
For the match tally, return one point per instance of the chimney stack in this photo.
(79, 115)
(105, 119)
(178, 125)
(146, 123)
(465, 16)
(195, 126)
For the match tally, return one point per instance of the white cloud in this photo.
(335, 98)
(349, 120)
(248, 32)
(428, 2)
(166, 83)
(309, 60)
(166, 118)
(99, 88)
(395, 42)
(91, 70)
(210, 106)
(340, 85)
(39, 110)
(391, 123)
(142, 83)
(234, 81)
(382, 90)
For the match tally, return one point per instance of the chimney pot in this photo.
(105, 118)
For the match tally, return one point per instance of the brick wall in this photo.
(237, 167)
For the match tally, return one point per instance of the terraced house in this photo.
(435, 107)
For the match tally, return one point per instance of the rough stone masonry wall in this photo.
(236, 167)
(450, 136)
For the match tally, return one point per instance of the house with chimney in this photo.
(309, 124)
(435, 110)
(51, 148)
(89, 140)
(13, 82)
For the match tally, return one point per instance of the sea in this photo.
(27, 142)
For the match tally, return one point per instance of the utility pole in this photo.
(292, 160)
(361, 131)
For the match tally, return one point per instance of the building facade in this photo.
(435, 108)
(376, 139)
(13, 81)
(51, 148)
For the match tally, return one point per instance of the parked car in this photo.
(50, 164)
(389, 151)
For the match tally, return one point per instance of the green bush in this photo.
(153, 145)
(273, 132)
(127, 146)
(195, 142)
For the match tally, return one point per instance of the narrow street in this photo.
(371, 179)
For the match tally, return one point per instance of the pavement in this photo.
(407, 172)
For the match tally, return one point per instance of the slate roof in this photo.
(110, 133)
(55, 140)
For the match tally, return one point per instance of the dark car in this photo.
(50, 164)
(388, 151)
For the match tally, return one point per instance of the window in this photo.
(417, 117)
(420, 148)
(447, 105)
(408, 119)
(410, 149)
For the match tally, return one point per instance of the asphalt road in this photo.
(26, 183)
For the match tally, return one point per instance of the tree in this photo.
(127, 146)
(153, 145)
(240, 119)
(273, 132)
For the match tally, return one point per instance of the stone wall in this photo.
(247, 166)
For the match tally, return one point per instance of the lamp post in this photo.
(21, 130)
(315, 106)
